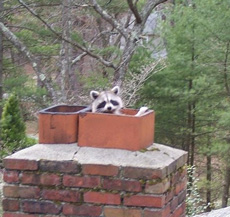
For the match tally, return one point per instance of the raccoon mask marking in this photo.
(107, 101)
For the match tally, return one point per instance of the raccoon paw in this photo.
(142, 110)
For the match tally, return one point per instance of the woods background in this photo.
(172, 56)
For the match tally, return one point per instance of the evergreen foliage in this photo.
(191, 96)
(13, 136)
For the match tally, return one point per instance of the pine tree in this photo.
(189, 95)
(12, 126)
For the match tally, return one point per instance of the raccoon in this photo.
(107, 101)
(110, 102)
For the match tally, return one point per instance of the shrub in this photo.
(13, 136)
(194, 202)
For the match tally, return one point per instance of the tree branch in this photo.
(23, 49)
(149, 6)
(109, 19)
(59, 36)
(78, 58)
(133, 8)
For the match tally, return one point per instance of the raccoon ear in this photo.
(94, 94)
(116, 90)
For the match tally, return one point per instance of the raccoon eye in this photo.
(101, 105)
(114, 102)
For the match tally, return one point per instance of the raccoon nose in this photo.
(109, 108)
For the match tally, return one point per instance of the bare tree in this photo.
(66, 50)
(124, 31)
(132, 34)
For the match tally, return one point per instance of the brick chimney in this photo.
(48, 180)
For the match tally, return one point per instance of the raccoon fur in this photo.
(107, 101)
(110, 102)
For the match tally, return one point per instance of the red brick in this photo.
(10, 205)
(41, 179)
(20, 164)
(11, 176)
(122, 185)
(174, 203)
(29, 192)
(169, 195)
(157, 188)
(79, 181)
(182, 196)
(142, 173)
(51, 215)
(175, 177)
(60, 166)
(22, 192)
(101, 170)
(102, 198)
(11, 191)
(10, 214)
(61, 195)
(145, 201)
(82, 210)
(181, 186)
(50, 179)
(164, 212)
(178, 175)
(180, 210)
(40, 207)
(30, 178)
(121, 212)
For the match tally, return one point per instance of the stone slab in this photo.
(53, 152)
(155, 157)
(225, 212)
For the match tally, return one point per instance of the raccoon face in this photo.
(107, 101)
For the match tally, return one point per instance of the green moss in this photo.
(154, 149)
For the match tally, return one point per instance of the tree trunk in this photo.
(208, 177)
(227, 88)
(120, 72)
(66, 52)
(128, 51)
(226, 187)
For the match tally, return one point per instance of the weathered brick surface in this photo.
(82, 210)
(102, 170)
(20, 164)
(81, 181)
(53, 188)
(60, 166)
(179, 211)
(21, 192)
(10, 214)
(158, 187)
(181, 185)
(122, 212)
(11, 176)
(164, 212)
(40, 179)
(41, 207)
(145, 200)
(102, 198)
(122, 185)
(61, 195)
(142, 173)
(10, 205)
